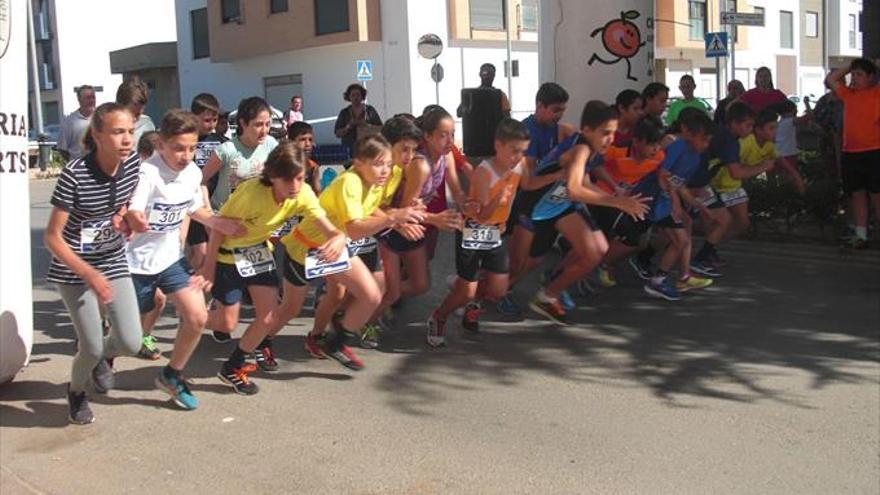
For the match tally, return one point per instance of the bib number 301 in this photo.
(253, 260)
(480, 237)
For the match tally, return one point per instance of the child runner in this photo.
(88, 252)
(559, 209)
(545, 133)
(302, 135)
(133, 94)
(352, 203)
(630, 108)
(757, 155)
(169, 189)
(666, 186)
(207, 109)
(245, 263)
(622, 170)
(723, 152)
(786, 143)
(655, 96)
(239, 159)
(860, 162)
(479, 245)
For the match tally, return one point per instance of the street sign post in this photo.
(716, 47)
(742, 19)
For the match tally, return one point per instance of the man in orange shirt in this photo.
(860, 163)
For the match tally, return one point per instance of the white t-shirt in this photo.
(143, 124)
(786, 137)
(166, 197)
(73, 129)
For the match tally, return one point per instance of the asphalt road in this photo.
(768, 382)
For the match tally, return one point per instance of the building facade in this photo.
(280, 48)
(73, 43)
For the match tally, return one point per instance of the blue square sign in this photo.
(716, 45)
(364, 70)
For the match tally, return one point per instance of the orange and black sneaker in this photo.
(237, 378)
(265, 358)
(313, 345)
(470, 321)
(551, 308)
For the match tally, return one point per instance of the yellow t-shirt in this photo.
(345, 200)
(750, 154)
(255, 205)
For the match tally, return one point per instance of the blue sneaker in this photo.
(663, 290)
(566, 301)
(508, 306)
(177, 388)
(704, 269)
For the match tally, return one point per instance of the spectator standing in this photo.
(74, 126)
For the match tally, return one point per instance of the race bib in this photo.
(287, 228)
(480, 237)
(98, 236)
(364, 245)
(253, 260)
(166, 217)
(559, 194)
(734, 197)
(316, 268)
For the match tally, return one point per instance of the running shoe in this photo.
(856, 243)
(149, 350)
(436, 332)
(663, 290)
(178, 389)
(79, 411)
(605, 277)
(265, 359)
(704, 269)
(344, 356)
(508, 306)
(370, 336)
(471, 319)
(692, 283)
(550, 309)
(566, 301)
(237, 378)
(221, 337)
(717, 261)
(642, 270)
(102, 376)
(314, 346)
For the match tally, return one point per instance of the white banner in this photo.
(16, 304)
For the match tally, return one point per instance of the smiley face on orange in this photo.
(622, 38)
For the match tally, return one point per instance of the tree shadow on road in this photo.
(728, 343)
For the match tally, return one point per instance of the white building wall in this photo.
(764, 42)
(838, 28)
(88, 30)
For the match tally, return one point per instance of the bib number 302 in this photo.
(253, 260)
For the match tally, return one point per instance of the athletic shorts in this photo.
(469, 262)
(620, 226)
(860, 172)
(546, 233)
(399, 244)
(732, 198)
(372, 260)
(294, 272)
(229, 285)
(169, 280)
(669, 223)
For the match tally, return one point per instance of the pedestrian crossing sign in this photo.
(364, 70)
(716, 44)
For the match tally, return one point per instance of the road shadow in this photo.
(763, 320)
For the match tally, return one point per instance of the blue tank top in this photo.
(555, 200)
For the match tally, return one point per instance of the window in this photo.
(331, 16)
(811, 22)
(488, 14)
(786, 33)
(198, 21)
(529, 15)
(230, 11)
(697, 19)
(852, 31)
(51, 113)
(276, 6)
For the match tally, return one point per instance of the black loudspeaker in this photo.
(480, 113)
